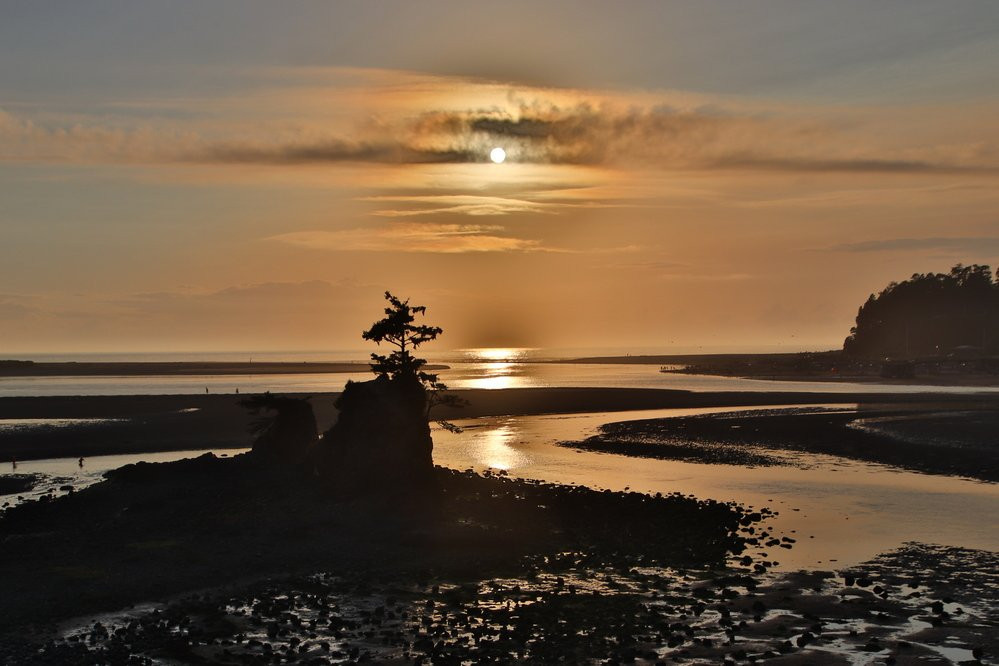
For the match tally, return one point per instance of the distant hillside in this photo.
(931, 314)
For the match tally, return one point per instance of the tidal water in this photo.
(840, 512)
(462, 374)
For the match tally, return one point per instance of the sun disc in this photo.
(497, 155)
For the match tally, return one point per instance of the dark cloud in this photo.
(653, 136)
(658, 136)
(331, 151)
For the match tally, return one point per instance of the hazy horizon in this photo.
(433, 353)
(187, 176)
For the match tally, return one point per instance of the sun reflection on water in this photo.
(497, 354)
(497, 367)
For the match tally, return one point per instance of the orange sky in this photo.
(187, 191)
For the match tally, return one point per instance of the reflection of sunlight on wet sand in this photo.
(841, 511)
(493, 448)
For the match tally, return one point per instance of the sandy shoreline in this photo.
(180, 368)
(829, 366)
(146, 423)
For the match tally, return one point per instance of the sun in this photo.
(497, 155)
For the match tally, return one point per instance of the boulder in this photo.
(286, 428)
(381, 437)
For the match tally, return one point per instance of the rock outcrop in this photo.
(381, 438)
(286, 429)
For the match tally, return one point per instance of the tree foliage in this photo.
(400, 332)
(930, 314)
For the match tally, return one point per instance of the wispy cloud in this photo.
(329, 150)
(410, 237)
(976, 245)
(464, 204)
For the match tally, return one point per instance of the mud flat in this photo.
(930, 439)
(159, 369)
(921, 604)
(226, 561)
(146, 423)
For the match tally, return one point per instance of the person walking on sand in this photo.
(206, 390)
(13, 463)
(81, 463)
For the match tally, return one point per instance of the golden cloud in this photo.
(408, 237)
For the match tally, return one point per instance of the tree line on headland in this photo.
(930, 315)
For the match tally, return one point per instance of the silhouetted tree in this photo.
(929, 314)
(399, 330)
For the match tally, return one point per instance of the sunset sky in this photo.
(233, 175)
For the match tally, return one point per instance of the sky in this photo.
(680, 176)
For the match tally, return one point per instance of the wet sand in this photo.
(488, 570)
(920, 604)
(153, 369)
(147, 423)
(961, 442)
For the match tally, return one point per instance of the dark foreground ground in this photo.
(917, 605)
(152, 531)
(934, 438)
(146, 423)
(258, 568)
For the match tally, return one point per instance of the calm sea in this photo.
(492, 368)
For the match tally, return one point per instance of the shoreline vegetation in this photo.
(147, 423)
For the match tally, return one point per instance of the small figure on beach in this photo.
(81, 462)
(206, 390)
(237, 390)
(13, 463)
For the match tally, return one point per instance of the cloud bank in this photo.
(459, 120)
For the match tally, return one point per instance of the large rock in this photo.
(286, 427)
(381, 437)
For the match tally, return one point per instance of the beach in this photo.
(700, 577)
(70, 426)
